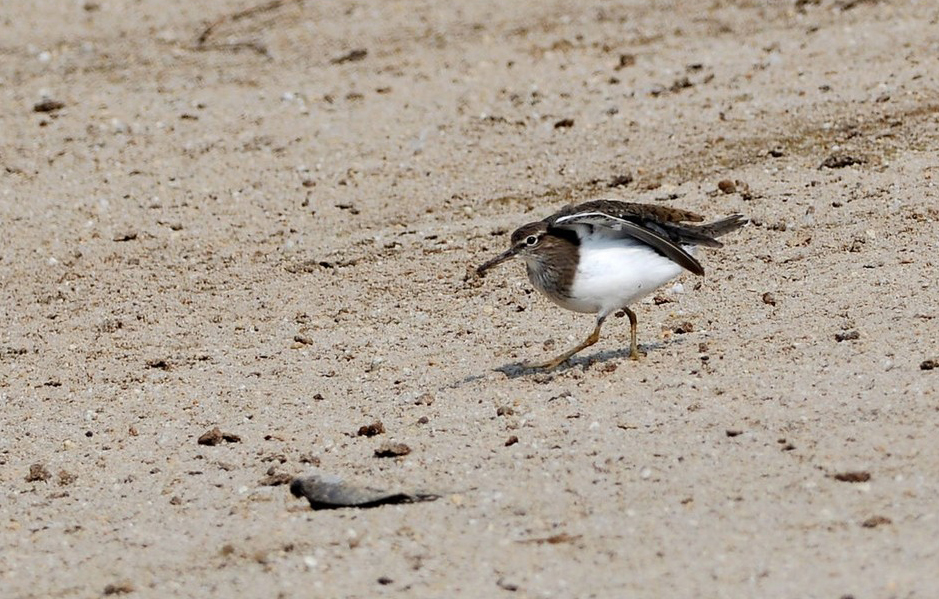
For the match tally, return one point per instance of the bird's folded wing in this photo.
(657, 241)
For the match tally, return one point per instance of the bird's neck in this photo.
(552, 269)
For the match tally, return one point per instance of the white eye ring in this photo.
(531, 240)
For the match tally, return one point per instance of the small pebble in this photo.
(726, 186)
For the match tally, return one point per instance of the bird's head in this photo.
(527, 241)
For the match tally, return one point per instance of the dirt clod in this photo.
(425, 399)
(847, 336)
(125, 236)
(351, 56)
(276, 479)
(370, 430)
(211, 437)
(48, 105)
(215, 436)
(621, 180)
(841, 161)
(118, 588)
(557, 539)
(390, 449)
(66, 478)
(852, 476)
(38, 473)
(303, 338)
(875, 521)
(626, 60)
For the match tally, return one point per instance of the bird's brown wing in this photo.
(643, 230)
(631, 211)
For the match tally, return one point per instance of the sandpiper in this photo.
(601, 256)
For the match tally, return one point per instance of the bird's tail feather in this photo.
(723, 226)
(706, 234)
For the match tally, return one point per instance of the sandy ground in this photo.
(267, 232)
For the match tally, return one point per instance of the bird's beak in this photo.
(506, 255)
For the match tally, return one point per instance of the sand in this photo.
(264, 227)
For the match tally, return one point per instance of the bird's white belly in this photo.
(612, 274)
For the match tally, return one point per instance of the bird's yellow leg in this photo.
(633, 345)
(554, 362)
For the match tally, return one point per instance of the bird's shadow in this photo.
(516, 370)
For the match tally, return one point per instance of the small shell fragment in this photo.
(325, 492)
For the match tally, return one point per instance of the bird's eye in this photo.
(531, 240)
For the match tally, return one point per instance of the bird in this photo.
(601, 256)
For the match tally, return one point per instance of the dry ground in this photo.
(266, 230)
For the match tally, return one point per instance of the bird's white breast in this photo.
(613, 273)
